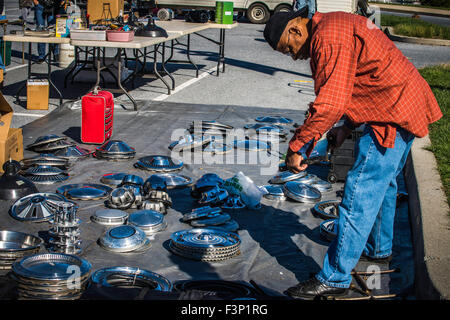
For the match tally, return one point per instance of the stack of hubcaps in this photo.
(159, 163)
(51, 276)
(65, 233)
(48, 144)
(205, 244)
(16, 245)
(45, 174)
(115, 150)
(45, 160)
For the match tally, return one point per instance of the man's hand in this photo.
(336, 136)
(293, 162)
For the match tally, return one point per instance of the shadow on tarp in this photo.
(272, 231)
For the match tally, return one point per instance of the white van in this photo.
(257, 11)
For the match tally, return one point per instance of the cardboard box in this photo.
(95, 9)
(11, 139)
(37, 94)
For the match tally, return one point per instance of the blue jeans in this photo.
(366, 213)
(299, 4)
(41, 20)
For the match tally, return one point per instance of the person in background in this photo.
(25, 7)
(361, 76)
(45, 12)
(300, 4)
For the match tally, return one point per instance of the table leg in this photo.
(163, 65)
(49, 71)
(155, 68)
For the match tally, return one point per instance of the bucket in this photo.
(66, 54)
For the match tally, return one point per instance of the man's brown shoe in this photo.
(313, 288)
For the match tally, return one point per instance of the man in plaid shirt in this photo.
(359, 75)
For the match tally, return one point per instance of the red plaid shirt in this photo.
(358, 72)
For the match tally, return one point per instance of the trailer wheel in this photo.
(258, 13)
(283, 8)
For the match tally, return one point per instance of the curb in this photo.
(412, 10)
(389, 31)
(430, 223)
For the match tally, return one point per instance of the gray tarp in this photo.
(281, 244)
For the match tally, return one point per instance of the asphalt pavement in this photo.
(255, 75)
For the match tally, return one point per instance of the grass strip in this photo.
(438, 77)
(409, 27)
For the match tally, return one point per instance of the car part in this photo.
(206, 182)
(53, 146)
(114, 150)
(201, 212)
(16, 245)
(84, 191)
(48, 179)
(251, 145)
(264, 127)
(205, 244)
(65, 233)
(110, 217)
(227, 288)
(274, 192)
(210, 128)
(125, 238)
(301, 192)
(137, 192)
(132, 179)
(215, 147)
(12, 185)
(113, 179)
(153, 205)
(213, 195)
(328, 229)
(116, 147)
(327, 209)
(188, 142)
(128, 277)
(36, 207)
(286, 176)
(159, 164)
(174, 180)
(120, 198)
(279, 120)
(233, 202)
(46, 276)
(44, 160)
(322, 185)
(148, 221)
(154, 182)
(160, 196)
(308, 179)
(43, 140)
(43, 171)
(72, 152)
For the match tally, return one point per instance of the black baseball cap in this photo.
(278, 22)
